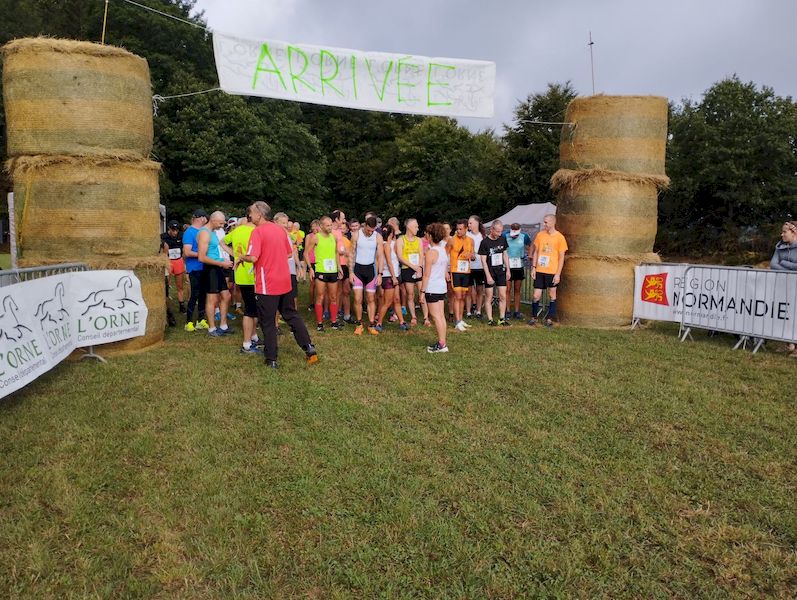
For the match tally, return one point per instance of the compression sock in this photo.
(333, 311)
(552, 309)
(535, 309)
(319, 313)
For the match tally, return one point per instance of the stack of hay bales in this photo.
(612, 166)
(79, 123)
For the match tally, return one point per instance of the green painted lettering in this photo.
(384, 81)
(400, 85)
(298, 77)
(266, 53)
(326, 80)
(430, 84)
(354, 75)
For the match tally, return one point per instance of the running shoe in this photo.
(203, 324)
(467, 325)
(231, 316)
(393, 319)
(189, 326)
(271, 364)
(337, 325)
(227, 331)
(548, 323)
(460, 326)
(468, 316)
(311, 355)
(436, 347)
(478, 315)
(504, 323)
(320, 328)
(358, 330)
(348, 319)
(378, 327)
(519, 316)
(404, 311)
(532, 322)
(258, 343)
(216, 333)
(404, 327)
(250, 350)
(491, 323)
(373, 330)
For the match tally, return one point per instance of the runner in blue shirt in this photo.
(519, 248)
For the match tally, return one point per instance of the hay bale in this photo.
(77, 98)
(617, 133)
(607, 217)
(75, 209)
(598, 291)
(150, 272)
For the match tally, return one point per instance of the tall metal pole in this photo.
(591, 60)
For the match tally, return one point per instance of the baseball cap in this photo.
(174, 224)
(200, 213)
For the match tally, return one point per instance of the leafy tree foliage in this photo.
(533, 150)
(732, 158)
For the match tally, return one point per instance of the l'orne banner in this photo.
(380, 81)
(44, 320)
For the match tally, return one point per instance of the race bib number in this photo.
(329, 265)
(496, 260)
(174, 253)
(515, 263)
(543, 261)
(415, 259)
(462, 266)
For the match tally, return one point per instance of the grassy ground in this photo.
(525, 463)
(5, 261)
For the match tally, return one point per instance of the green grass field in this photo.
(524, 463)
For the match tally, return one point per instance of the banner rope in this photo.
(157, 98)
(155, 10)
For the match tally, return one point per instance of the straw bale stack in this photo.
(612, 166)
(76, 98)
(617, 133)
(79, 119)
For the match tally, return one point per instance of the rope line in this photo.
(149, 8)
(157, 98)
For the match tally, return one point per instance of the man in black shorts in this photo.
(213, 274)
(495, 260)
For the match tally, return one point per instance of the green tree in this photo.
(732, 158)
(533, 150)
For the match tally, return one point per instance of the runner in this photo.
(460, 251)
(238, 240)
(367, 256)
(519, 248)
(327, 272)
(340, 231)
(172, 245)
(493, 252)
(476, 233)
(269, 249)
(449, 288)
(433, 285)
(213, 275)
(410, 256)
(390, 279)
(194, 268)
(400, 297)
(282, 220)
(546, 267)
(310, 260)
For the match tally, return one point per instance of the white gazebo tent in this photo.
(529, 216)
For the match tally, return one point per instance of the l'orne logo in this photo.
(106, 312)
(18, 345)
(654, 289)
(54, 320)
(112, 299)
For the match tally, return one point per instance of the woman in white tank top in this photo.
(390, 281)
(435, 276)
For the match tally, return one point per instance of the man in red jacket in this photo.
(269, 250)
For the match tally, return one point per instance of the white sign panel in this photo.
(355, 79)
(753, 302)
(43, 320)
(658, 290)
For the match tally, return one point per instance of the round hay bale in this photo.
(76, 98)
(597, 292)
(607, 217)
(617, 133)
(73, 209)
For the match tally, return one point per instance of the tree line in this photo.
(732, 155)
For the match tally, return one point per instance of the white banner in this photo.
(43, 320)
(658, 289)
(753, 302)
(355, 79)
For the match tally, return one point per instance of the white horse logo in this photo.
(112, 299)
(52, 310)
(9, 321)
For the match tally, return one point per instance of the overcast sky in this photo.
(673, 48)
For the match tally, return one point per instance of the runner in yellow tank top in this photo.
(327, 272)
(410, 254)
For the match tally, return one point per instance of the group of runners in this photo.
(363, 273)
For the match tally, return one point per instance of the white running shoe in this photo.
(467, 325)
(460, 326)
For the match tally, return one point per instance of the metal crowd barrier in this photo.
(755, 304)
(12, 276)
